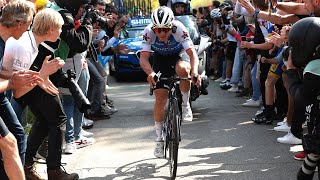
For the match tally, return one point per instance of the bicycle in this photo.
(172, 123)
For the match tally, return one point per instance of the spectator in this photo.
(15, 19)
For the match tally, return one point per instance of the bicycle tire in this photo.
(174, 138)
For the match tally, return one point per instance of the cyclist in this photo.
(168, 39)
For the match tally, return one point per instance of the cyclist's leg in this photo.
(161, 64)
(9, 149)
(183, 68)
(161, 96)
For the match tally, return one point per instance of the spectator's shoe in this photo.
(225, 86)
(110, 109)
(223, 82)
(265, 117)
(243, 93)
(98, 116)
(282, 128)
(251, 103)
(289, 139)
(260, 111)
(220, 79)
(186, 113)
(86, 134)
(101, 114)
(282, 122)
(299, 156)
(204, 91)
(87, 123)
(213, 77)
(70, 148)
(233, 89)
(159, 149)
(59, 174)
(31, 173)
(84, 141)
(109, 102)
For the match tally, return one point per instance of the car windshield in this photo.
(189, 21)
(135, 32)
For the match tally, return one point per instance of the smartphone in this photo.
(243, 38)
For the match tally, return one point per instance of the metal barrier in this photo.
(142, 8)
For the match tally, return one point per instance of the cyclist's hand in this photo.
(197, 79)
(151, 80)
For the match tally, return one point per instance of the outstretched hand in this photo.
(49, 87)
(276, 39)
(50, 67)
(248, 6)
(25, 78)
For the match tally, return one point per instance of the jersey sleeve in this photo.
(147, 39)
(182, 35)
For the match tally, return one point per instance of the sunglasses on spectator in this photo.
(159, 30)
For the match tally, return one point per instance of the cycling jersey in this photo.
(178, 40)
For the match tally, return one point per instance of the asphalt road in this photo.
(221, 142)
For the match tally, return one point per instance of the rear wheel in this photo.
(174, 138)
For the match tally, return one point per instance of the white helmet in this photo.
(162, 17)
(215, 13)
(180, 1)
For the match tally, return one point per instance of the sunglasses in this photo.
(159, 30)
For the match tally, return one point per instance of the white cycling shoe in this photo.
(187, 113)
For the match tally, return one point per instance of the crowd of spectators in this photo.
(249, 58)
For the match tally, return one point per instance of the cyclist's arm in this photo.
(194, 60)
(144, 62)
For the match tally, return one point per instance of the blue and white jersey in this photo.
(178, 40)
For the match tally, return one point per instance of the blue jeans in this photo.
(74, 116)
(12, 122)
(255, 86)
(238, 66)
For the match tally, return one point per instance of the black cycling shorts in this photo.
(231, 50)
(3, 129)
(166, 65)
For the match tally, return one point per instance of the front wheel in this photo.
(175, 119)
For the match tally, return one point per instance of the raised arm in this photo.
(294, 8)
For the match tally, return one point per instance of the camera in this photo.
(94, 15)
(285, 52)
(81, 100)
